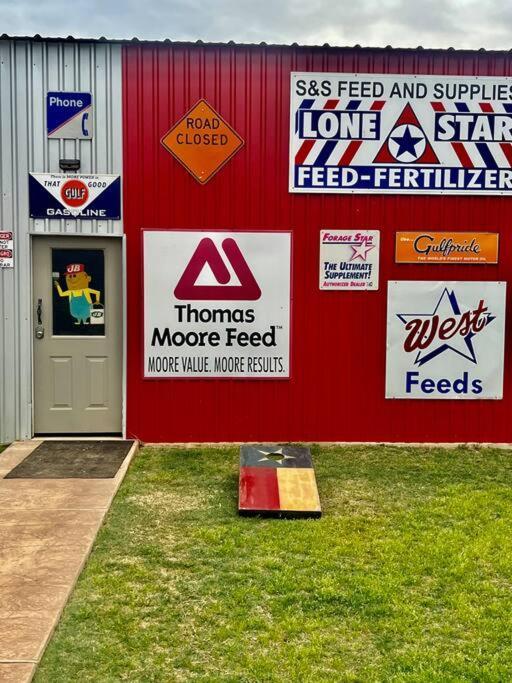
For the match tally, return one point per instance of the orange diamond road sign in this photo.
(202, 141)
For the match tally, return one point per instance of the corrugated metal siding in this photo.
(339, 338)
(27, 71)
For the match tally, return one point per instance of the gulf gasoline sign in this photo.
(216, 304)
(54, 195)
(400, 134)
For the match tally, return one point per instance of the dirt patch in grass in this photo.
(176, 500)
(406, 577)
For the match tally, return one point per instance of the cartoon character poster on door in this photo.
(78, 292)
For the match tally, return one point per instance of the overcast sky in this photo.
(401, 23)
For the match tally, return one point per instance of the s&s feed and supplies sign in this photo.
(349, 259)
(400, 134)
(445, 340)
(216, 304)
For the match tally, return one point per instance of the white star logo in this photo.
(279, 457)
(361, 251)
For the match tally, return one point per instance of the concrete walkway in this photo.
(47, 528)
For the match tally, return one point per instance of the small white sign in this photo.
(349, 259)
(6, 249)
(445, 340)
(216, 304)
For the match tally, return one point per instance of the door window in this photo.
(78, 292)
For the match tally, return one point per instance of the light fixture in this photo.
(69, 164)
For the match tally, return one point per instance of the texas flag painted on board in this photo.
(277, 480)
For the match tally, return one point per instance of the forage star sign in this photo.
(429, 326)
(349, 259)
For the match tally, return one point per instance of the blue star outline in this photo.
(468, 339)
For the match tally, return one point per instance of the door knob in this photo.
(39, 331)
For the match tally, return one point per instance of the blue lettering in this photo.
(428, 386)
(444, 386)
(411, 378)
(476, 385)
(460, 386)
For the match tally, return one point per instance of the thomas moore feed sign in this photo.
(216, 304)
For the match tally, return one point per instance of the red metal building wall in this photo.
(338, 339)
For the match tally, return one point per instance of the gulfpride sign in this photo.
(445, 340)
(216, 304)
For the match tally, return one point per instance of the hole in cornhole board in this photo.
(275, 456)
(73, 460)
(277, 481)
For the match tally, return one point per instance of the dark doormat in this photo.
(72, 460)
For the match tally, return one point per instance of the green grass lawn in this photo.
(406, 577)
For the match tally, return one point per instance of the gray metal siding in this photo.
(27, 71)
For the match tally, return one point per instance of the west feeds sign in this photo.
(445, 339)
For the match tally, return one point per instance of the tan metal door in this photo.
(78, 335)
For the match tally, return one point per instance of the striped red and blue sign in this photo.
(400, 134)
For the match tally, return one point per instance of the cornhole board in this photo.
(277, 481)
